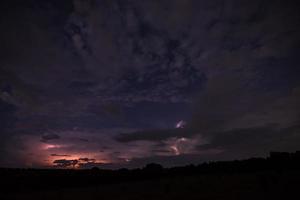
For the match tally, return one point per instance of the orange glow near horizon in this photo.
(50, 159)
(44, 154)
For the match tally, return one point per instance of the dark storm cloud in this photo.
(254, 141)
(83, 139)
(242, 107)
(81, 162)
(6, 115)
(87, 160)
(90, 165)
(148, 59)
(7, 123)
(155, 135)
(65, 163)
(60, 155)
(49, 136)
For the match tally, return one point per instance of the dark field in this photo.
(277, 177)
(263, 185)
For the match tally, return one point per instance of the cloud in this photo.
(60, 155)
(83, 139)
(80, 162)
(65, 163)
(7, 116)
(91, 160)
(49, 136)
(255, 141)
(155, 135)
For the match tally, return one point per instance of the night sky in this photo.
(122, 83)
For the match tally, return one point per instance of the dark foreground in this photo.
(277, 177)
